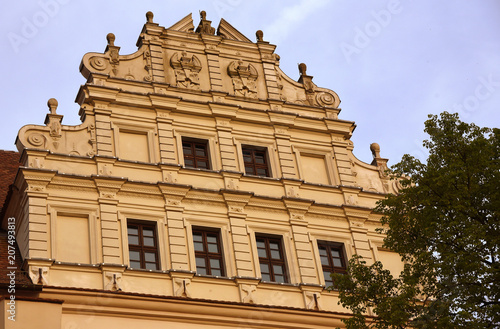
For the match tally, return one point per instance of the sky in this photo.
(392, 62)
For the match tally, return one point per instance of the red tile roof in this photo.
(9, 163)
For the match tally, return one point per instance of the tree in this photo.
(445, 224)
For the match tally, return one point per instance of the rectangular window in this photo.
(255, 161)
(271, 259)
(208, 252)
(195, 153)
(143, 246)
(332, 258)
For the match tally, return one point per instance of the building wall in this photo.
(84, 190)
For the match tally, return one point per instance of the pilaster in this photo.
(236, 203)
(110, 227)
(177, 239)
(305, 258)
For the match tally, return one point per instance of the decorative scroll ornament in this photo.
(187, 69)
(325, 99)
(244, 78)
(99, 63)
(36, 139)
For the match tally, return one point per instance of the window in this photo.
(255, 161)
(142, 246)
(332, 258)
(208, 252)
(195, 153)
(271, 259)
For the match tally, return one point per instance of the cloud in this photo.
(287, 21)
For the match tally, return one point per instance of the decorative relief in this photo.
(181, 287)
(37, 139)
(99, 63)
(325, 99)
(148, 66)
(236, 209)
(244, 76)
(187, 69)
(248, 290)
(351, 200)
(232, 184)
(113, 281)
(292, 192)
(312, 300)
(39, 275)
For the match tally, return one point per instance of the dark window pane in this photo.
(213, 248)
(151, 266)
(255, 161)
(208, 252)
(332, 259)
(279, 278)
(188, 163)
(198, 246)
(135, 264)
(272, 265)
(277, 269)
(202, 164)
(261, 172)
(142, 246)
(150, 242)
(275, 254)
(324, 260)
(133, 239)
(197, 236)
(150, 257)
(135, 255)
(214, 263)
(200, 262)
(337, 262)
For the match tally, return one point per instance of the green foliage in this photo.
(445, 224)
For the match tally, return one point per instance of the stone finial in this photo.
(205, 26)
(260, 36)
(149, 17)
(375, 148)
(111, 39)
(302, 69)
(52, 104)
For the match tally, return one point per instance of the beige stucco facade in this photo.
(80, 187)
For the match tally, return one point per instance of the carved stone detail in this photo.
(39, 275)
(205, 26)
(244, 76)
(312, 300)
(113, 281)
(248, 289)
(99, 63)
(181, 287)
(187, 69)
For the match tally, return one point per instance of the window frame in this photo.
(271, 262)
(141, 248)
(206, 254)
(255, 166)
(194, 142)
(331, 268)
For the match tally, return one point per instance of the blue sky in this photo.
(391, 62)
